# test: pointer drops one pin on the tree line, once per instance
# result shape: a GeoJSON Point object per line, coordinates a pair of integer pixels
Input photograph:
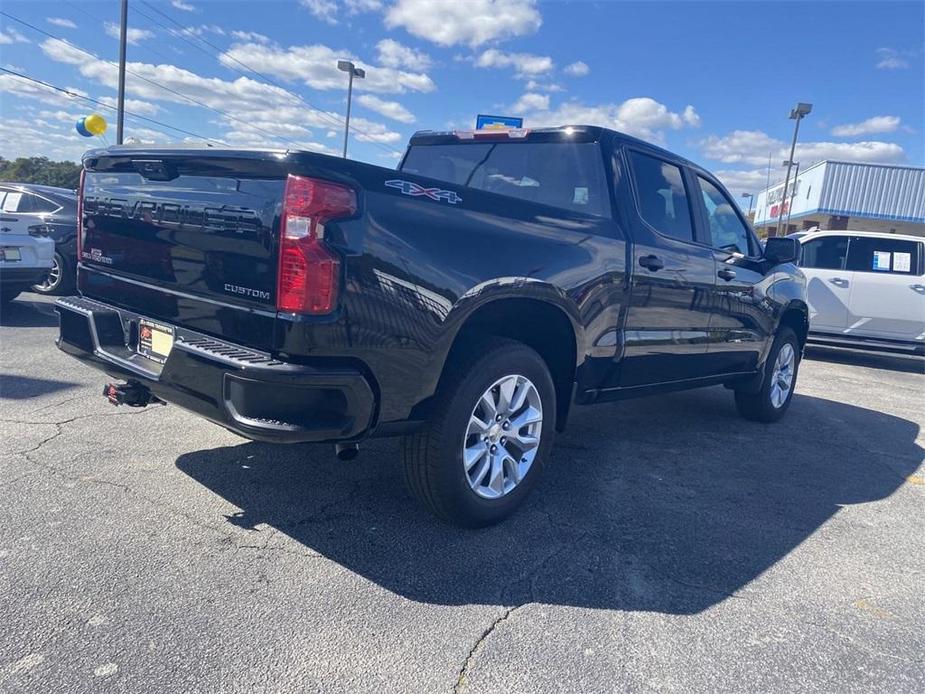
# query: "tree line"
{"type": "Point", "coordinates": [41, 171]}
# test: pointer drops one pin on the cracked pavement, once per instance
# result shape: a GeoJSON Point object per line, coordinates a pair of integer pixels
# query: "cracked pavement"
{"type": "Point", "coordinates": [671, 546]}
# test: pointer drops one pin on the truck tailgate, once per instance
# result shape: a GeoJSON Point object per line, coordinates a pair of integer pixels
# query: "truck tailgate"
{"type": "Point", "coordinates": [190, 238]}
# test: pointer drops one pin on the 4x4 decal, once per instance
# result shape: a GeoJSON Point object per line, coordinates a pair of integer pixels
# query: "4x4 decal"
{"type": "Point", "coordinates": [415, 190]}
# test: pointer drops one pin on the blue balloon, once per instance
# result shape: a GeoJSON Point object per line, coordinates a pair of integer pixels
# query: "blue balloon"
{"type": "Point", "coordinates": [82, 129]}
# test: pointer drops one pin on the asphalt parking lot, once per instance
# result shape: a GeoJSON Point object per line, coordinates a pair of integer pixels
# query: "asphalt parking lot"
{"type": "Point", "coordinates": [672, 546]}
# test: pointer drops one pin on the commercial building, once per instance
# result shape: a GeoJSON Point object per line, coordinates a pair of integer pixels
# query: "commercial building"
{"type": "Point", "coordinates": [846, 195]}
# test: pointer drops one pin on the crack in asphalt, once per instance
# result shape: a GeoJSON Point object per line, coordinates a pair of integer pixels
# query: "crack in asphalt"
{"type": "Point", "coordinates": [461, 679]}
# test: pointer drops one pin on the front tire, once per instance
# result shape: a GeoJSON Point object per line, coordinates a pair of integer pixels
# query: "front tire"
{"type": "Point", "coordinates": [771, 402]}
{"type": "Point", "coordinates": [491, 430]}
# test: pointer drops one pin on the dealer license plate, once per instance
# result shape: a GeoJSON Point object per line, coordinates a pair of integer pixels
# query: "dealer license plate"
{"type": "Point", "coordinates": [155, 340]}
{"type": "Point", "coordinates": [10, 253]}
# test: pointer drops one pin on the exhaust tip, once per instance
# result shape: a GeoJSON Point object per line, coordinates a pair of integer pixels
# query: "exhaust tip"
{"type": "Point", "coordinates": [346, 451]}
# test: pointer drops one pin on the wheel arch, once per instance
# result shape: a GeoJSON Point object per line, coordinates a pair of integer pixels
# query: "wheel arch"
{"type": "Point", "coordinates": [796, 316]}
{"type": "Point", "coordinates": [543, 321]}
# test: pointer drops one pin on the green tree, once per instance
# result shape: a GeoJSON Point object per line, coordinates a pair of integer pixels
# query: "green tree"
{"type": "Point", "coordinates": [40, 170]}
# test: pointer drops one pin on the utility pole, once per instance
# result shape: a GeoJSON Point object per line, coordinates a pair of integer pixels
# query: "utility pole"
{"type": "Point", "coordinates": [120, 115]}
{"type": "Point", "coordinates": [797, 114]}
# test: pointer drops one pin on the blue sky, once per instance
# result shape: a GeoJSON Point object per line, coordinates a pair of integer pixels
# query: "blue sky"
{"type": "Point", "coordinates": [713, 81]}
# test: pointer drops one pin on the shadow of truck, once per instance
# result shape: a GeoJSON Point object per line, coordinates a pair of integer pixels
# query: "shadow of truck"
{"type": "Point", "coordinates": [667, 504]}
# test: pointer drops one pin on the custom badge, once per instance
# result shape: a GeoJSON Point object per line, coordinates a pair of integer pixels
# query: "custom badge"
{"type": "Point", "coordinates": [415, 190]}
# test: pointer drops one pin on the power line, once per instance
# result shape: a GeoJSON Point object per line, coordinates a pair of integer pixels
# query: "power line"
{"type": "Point", "coordinates": [154, 82]}
{"type": "Point", "coordinates": [220, 51]}
{"type": "Point", "coordinates": [89, 14]}
{"type": "Point", "coordinates": [102, 104]}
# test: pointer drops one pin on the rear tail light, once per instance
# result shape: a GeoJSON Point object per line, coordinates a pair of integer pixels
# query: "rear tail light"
{"type": "Point", "coordinates": [309, 271]}
{"type": "Point", "coordinates": [80, 215]}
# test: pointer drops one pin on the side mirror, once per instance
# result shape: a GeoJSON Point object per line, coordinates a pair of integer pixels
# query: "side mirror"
{"type": "Point", "coordinates": [779, 250]}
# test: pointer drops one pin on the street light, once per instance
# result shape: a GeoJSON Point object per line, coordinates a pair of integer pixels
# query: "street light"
{"type": "Point", "coordinates": [353, 71]}
{"type": "Point", "coordinates": [797, 113]}
{"type": "Point", "coordinates": [751, 200]}
{"type": "Point", "coordinates": [796, 177]}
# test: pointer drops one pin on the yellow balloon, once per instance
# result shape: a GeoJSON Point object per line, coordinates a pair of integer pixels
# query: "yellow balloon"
{"type": "Point", "coordinates": [95, 124]}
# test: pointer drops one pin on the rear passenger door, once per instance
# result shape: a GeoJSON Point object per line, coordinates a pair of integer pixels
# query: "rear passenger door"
{"type": "Point", "coordinates": [887, 297]}
{"type": "Point", "coordinates": [828, 283]}
{"type": "Point", "coordinates": [672, 285]}
{"type": "Point", "coordinates": [742, 323]}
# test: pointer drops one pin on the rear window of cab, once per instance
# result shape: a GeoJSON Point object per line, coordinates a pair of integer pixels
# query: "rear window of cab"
{"type": "Point", "coordinates": [567, 175]}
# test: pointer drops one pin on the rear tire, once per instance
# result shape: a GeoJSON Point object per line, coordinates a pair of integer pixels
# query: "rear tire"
{"type": "Point", "coordinates": [59, 281]}
{"type": "Point", "coordinates": [780, 379]}
{"type": "Point", "coordinates": [505, 454]}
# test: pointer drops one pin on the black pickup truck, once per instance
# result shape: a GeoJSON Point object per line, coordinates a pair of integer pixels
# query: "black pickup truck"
{"type": "Point", "coordinates": [464, 301]}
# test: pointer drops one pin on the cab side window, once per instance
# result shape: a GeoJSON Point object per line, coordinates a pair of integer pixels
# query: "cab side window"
{"type": "Point", "coordinates": [826, 253]}
{"type": "Point", "coordinates": [727, 230]}
{"type": "Point", "coordinates": [892, 256]}
{"type": "Point", "coordinates": [663, 201]}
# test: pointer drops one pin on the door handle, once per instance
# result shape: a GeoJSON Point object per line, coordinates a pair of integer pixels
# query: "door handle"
{"type": "Point", "coordinates": [727, 274]}
{"type": "Point", "coordinates": [838, 280]}
{"type": "Point", "coordinates": [918, 287]}
{"type": "Point", "coordinates": [651, 262]}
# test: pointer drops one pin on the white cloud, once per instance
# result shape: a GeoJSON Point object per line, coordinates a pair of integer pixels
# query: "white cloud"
{"type": "Point", "coordinates": [750, 181]}
{"type": "Point", "coordinates": [142, 108]}
{"type": "Point", "coordinates": [389, 109]}
{"type": "Point", "coordinates": [877, 124]}
{"type": "Point", "coordinates": [742, 147]}
{"type": "Point", "coordinates": [357, 6]}
{"type": "Point", "coordinates": [325, 10]}
{"type": "Point", "coordinates": [470, 22]}
{"type": "Point", "coordinates": [132, 34]}
{"type": "Point", "coordinates": [199, 31]}
{"type": "Point", "coordinates": [753, 147]}
{"type": "Point", "coordinates": [185, 6]}
{"type": "Point", "coordinates": [531, 102]}
{"type": "Point", "coordinates": [316, 66]}
{"type": "Point", "coordinates": [241, 93]}
{"type": "Point", "coordinates": [391, 53]}
{"type": "Point", "coordinates": [551, 87]}
{"type": "Point", "coordinates": [250, 36]}
{"type": "Point", "coordinates": [524, 64]}
{"type": "Point", "coordinates": [369, 131]}
{"type": "Point", "coordinates": [61, 22]}
{"type": "Point", "coordinates": [643, 117]}
{"type": "Point", "coordinates": [10, 84]}
{"type": "Point", "coordinates": [577, 69]}
{"type": "Point", "coordinates": [21, 138]}
{"type": "Point", "coordinates": [891, 59]}
{"type": "Point", "coordinates": [265, 106]}
{"type": "Point", "coordinates": [10, 35]}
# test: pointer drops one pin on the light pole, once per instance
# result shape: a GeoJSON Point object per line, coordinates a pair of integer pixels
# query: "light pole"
{"type": "Point", "coordinates": [796, 177]}
{"type": "Point", "coordinates": [353, 71]}
{"type": "Point", "coordinates": [797, 114]}
{"type": "Point", "coordinates": [751, 201]}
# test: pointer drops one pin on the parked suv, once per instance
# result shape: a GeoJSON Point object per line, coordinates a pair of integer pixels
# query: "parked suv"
{"type": "Point", "coordinates": [866, 290]}
{"type": "Point", "coordinates": [465, 301]}
{"type": "Point", "coordinates": [26, 252]}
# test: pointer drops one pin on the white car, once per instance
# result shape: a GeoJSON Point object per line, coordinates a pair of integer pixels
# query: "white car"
{"type": "Point", "coordinates": [26, 251]}
{"type": "Point", "coordinates": [865, 289]}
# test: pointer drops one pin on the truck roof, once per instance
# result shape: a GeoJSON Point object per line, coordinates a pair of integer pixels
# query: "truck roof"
{"type": "Point", "coordinates": [559, 133]}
